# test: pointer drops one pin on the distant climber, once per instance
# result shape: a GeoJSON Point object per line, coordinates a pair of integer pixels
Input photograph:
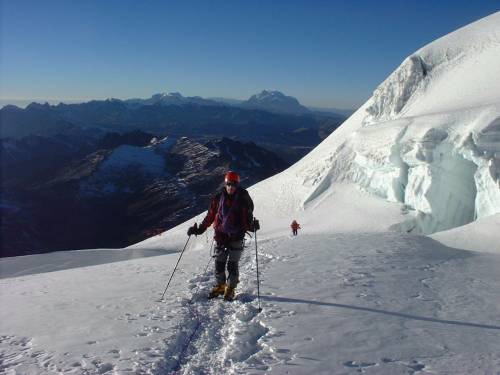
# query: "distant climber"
{"type": "Point", "coordinates": [231, 211]}
{"type": "Point", "coordinates": [295, 227]}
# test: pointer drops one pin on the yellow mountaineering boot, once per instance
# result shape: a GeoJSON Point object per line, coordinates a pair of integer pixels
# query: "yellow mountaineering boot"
{"type": "Point", "coordinates": [217, 290]}
{"type": "Point", "coordinates": [229, 293]}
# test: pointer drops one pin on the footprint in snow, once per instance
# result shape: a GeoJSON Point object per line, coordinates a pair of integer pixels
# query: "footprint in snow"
{"type": "Point", "coordinates": [359, 365]}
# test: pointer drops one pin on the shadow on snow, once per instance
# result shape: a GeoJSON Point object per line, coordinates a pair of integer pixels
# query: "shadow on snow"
{"type": "Point", "coordinates": [377, 311]}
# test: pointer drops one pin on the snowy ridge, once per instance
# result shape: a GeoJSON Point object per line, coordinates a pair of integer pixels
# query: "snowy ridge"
{"type": "Point", "coordinates": [428, 138]}
{"type": "Point", "coordinates": [467, 51]}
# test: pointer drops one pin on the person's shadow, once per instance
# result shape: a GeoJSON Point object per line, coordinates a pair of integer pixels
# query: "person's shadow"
{"type": "Point", "coordinates": [377, 311]}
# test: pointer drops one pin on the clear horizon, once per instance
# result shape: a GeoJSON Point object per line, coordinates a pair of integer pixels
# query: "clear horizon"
{"type": "Point", "coordinates": [22, 103]}
{"type": "Point", "coordinates": [330, 54]}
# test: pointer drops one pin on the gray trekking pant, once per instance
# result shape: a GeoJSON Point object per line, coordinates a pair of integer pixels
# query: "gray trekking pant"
{"type": "Point", "coordinates": [229, 254]}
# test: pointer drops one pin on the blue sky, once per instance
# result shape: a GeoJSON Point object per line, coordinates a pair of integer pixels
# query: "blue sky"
{"type": "Point", "coordinates": [325, 53]}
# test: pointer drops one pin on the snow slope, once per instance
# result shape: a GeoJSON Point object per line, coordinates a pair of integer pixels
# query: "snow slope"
{"type": "Point", "coordinates": [429, 137]}
{"type": "Point", "coordinates": [354, 297]}
{"type": "Point", "coordinates": [361, 289]}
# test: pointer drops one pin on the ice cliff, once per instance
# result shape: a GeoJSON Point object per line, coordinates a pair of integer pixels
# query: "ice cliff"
{"type": "Point", "coordinates": [431, 134]}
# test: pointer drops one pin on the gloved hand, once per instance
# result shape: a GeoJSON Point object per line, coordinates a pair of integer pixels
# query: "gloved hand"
{"type": "Point", "coordinates": [255, 225]}
{"type": "Point", "coordinates": [195, 229]}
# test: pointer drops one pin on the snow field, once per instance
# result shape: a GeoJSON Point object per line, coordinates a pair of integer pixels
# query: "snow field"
{"type": "Point", "coordinates": [85, 324]}
{"type": "Point", "coordinates": [382, 303]}
{"type": "Point", "coordinates": [87, 320]}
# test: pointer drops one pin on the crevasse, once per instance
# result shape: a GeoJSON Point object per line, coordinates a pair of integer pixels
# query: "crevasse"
{"type": "Point", "coordinates": [445, 176]}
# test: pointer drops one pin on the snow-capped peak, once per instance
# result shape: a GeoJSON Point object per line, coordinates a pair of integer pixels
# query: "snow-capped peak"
{"type": "Point", "coordinates": [270, 94]}
{"type": "Point", "coordinates": [273, 95]}
{"type": "Point", "coordinates": [275, 101]}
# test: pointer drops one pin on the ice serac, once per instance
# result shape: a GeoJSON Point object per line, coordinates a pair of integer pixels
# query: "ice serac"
{"type": "Point", "coordinates": [429, 137]}
{"type": "Point", "coordinates": [441, 154]}
{"type": "Point", "coordinates": [391, 97]}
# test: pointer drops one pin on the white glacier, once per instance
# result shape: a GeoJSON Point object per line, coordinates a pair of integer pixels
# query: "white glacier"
{"type": "Point", "coordinates": [429, 136]}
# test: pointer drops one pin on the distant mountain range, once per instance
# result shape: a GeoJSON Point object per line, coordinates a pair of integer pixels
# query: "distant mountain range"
{"type": "Point", "coordinates": [105, 173]}
{"type": "Point", "coordinates": [175, 115]}
{"type": "Point", "coordinates": [173, 98]}
{"type": "Point", "coordinates": [268, 100]}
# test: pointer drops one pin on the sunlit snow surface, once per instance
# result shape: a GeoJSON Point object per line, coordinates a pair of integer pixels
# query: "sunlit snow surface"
{"type": "Point", "coordinates": [359, 290]}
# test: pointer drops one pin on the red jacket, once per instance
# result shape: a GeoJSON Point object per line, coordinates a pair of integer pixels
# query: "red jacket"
{"type": "Point", "coordinates": [232, 221]}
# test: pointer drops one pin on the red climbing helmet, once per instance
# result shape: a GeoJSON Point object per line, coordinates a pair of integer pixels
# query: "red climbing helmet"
{"type": "Point", "coordinates": [232, 177]}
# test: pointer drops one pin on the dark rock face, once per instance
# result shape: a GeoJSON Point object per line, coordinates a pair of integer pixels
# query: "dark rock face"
{"type": "Point", "coordinates": [116, 196]}
{"type": "Point", "coordinates": [34, 159]}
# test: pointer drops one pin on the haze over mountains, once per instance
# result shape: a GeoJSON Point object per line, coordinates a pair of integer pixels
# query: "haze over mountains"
{"type": "Point", "coordinates": [96, 174]}
{"type": "Point", "coordinates": [268, 115]}
{"type": "Point", "coordinates": [271, 100]}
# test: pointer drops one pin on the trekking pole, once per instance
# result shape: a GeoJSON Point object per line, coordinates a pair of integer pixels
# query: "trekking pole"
{"type": "Point", "coordinates": [257, 263]}
{"type": "Point", "coordinates": [175, 268]}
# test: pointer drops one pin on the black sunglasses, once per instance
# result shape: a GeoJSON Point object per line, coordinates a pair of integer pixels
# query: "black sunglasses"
{"type": "Point", "coordinates": [229, 183]}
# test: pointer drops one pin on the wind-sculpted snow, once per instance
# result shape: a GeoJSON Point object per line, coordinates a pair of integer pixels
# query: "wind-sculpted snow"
{"type": "Point", "coordinates": [390, 98]}
{"type": "Point", "coordinates": [458, 70]}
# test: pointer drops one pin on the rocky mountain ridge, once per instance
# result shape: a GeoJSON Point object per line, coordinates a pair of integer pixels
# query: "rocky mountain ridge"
{"type": "Point", "coordinates": [117, 195]}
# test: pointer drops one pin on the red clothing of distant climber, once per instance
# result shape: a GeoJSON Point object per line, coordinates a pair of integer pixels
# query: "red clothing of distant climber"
{"type": "Point", "coordinates": [295, 226]}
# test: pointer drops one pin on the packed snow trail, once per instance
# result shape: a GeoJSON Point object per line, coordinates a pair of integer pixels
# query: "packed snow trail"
{"type": "Point", "coordinates": [216, 336]}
